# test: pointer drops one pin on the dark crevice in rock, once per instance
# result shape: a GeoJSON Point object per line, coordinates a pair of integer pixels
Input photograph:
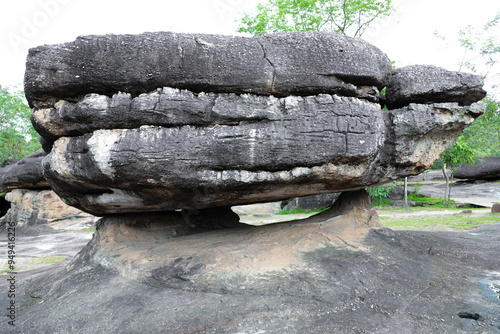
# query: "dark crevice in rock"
{"type": "Point", "coordinates": [273, 80]}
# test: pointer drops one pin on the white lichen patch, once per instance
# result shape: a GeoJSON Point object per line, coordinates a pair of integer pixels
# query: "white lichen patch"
{"type": "Point", "coordinates": [101, 145]}
{"type": "Point", "coordinates": [119, 197]}
{"type": "Point", "coordinates": [57, 159]}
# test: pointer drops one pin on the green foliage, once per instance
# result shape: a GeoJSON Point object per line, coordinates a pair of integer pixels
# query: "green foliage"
{"type": "Point", "coordinates": [460, 153]}
{"type": "Point", "coordinates": [379, 195]}
{"type": "Point", "coordinates": [17, 136]}
{"type": "Point", "coordinates": [432, 202]}
{"type": "Point", "coordinates": [483, 136]}
{"type": "Point", "coordinates": [299, 210]}
{"type": "Point", "coordinates": [482, 48]}
{"type": "Point", "coordinates": [348, 17]}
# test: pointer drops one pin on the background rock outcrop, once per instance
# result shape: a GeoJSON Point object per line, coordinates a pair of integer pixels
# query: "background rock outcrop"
{"type": "Point", "coordinates": [24, 173]}
{"type": "Point", "coordinates": [487, 168]}
{"type": "Point", "coordinates": [41, 211]}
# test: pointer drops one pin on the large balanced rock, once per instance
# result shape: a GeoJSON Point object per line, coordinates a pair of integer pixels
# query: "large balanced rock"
{"type": "Point", "coordinates": [26, 173]}
{"type": "Point", "coordinates": [430, 84]}
{"type": "Point", "coordinates": [487, 169]}
{"type": "Point", "coordinates": [279, 64]}
{"type": "Point", "coordinates": [295, 147]}
{"type": "Point", "coordinates": [114, 151]}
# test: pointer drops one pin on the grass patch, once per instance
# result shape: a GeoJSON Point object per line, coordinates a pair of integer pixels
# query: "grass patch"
{"type": "Point", "coordinates": [381, 202]}
{"type": "Point", "coordinates": [23, 264]}
{"type": "Point", "coordinates": [299, 210]}
{"type": "Point", "coordinates": [87, 230]}
{"type": "Point", "coordinates": [460, 221]}
{"type": "Point", "coordinates": [436, 202]}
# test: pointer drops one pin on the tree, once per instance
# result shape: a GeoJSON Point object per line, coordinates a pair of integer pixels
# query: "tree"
{"type": "Point", "coordinates": [348, 17]}
{"type": "Point", "coordinates": [483, 136]}
{"type": "Point", "coordinates": [460, 153]}
{"type": "Point", "coordinates": [17, 136]}
{"type": "Point", "coordinates": [481, 50]}
{"type": "Point", "coordinates": [481, 56]}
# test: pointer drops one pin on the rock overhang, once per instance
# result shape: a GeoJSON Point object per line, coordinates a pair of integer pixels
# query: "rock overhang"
{"type": "Point", "coordinates": [303, 117]}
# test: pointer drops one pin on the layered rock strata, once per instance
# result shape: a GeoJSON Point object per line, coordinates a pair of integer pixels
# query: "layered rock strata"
{"type": "Point", "coordinates": [280, 64]}
{"type": "Point", "coordinates": [244, 120]}
{"type": "Point", "coordinates": [41, 211]}
{"type": "Point", "coordinates": [26, 173]}
{"type": "Point", "coordinates": [431, 84]}
{"type": "Point", "coordinates": [31, 204]}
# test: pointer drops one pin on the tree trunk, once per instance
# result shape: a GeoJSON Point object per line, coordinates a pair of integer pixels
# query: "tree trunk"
{"type": "Point", "coordinates": [406, 194]}
{"type": "Point", "coordinates": [447, 189]}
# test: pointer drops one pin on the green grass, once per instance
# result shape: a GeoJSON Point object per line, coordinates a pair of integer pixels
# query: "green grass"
{"type": "Point", "coordinates": [87, 230]}
{"type": "Point", "coordinates": [457, 221]}
{"type": "Point", "coordinates": [299, 210]}
{"type": "Point", "coordinates": [23, 264]}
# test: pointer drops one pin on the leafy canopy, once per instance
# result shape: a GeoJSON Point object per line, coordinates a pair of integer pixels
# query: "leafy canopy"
{"type": "Point", "coordinates": [17, 136]}
{"type": "Point", "coordinates": [348, 17]}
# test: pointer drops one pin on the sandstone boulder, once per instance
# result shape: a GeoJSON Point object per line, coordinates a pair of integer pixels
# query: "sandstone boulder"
{"type": "Point", "coordinates": [200, 121]}
{"type": "Point", "coordinates": [431, 84]}
{"type": "Point", "coordinates": [486, 169]}
{"type": "Point", "coordinates": [312, 202]}
{"type": "Point", "coordinates": [287, 147]}
{"type": "Point", "coordinates": [281, 64]}
{"type": "Point", "coordinates": [42, 211]}
{"type": "Point", "coordinates": [26, 173]}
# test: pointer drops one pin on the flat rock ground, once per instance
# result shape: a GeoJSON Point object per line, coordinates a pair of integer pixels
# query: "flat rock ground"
{"type": "Point", "coordinates": [388, 282]}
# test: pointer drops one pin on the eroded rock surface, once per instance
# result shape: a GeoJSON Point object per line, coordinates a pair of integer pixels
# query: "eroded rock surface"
{"type": "Point", "coordinates": [331, 274]}
{"type": "Point", "coordinates": [42, 211]}
{"type": "Point", "coordinates": [488, 168]}
{"type": "Point", "coordinates": [280, 64]}
{"type": "Point", "coordinates": [26, 173]}
{"type": "Point", "coordinates": [431, 84]}
{"type": "Point", "coordinates": [297, 146]}
{"type": "Point", "coordinates": [209, 140]}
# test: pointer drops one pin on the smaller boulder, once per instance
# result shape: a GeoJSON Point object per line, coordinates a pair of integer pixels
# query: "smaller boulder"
{"type": "Point", "coordinates": [487, 169]}
{"type": "Point", "coordinates": [312, 202]}
{"type": "Point", "coordinates": [26, 173]}
{"type": "Point", "coordinates": [430, 84]}
{"type": "Point", "coordinates": [495, 208]}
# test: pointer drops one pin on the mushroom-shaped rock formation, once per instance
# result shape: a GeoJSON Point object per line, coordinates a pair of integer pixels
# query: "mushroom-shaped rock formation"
{"type": "Point", "coordinates": [165, 121]}
{"type": "Point", "coordinates": [162, 133]}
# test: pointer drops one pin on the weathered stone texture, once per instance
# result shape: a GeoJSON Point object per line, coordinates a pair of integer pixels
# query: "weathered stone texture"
{"type": "Point", "coordinates": [280, 64]}
{"type": "Point", "coordinates": [488, 168]}
{"type": "Point", "coordinates": [26, 173]}
{"type": "Point", "coordinates": [431, 84]}
{"type": "Point", "coordinates": [314, 145]}
{"type": "Point", "coordinates": [35, 211]}
{"type": "Point", "coordinates": [165, 121]}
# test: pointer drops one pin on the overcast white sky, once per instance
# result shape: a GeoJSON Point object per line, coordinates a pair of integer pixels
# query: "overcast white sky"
{"type": "Point", "coordinates": [406, 37]}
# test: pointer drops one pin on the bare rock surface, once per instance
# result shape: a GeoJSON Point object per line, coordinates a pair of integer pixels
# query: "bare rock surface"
{"type": "Point", "coordinates": [299, 146]}
{"type": "Point", "coordinates": [332, 273]}
{"type": "Point", "coordinates": [42, 211]}
{"type": "Point", "coordinates": [280, 64]}
{"type": "Point", "coordinates": [431, 84]}
{"type": "Point", "coordinates": [26, 173]}
{"type": "Point", "coordinates": [488, 168]}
